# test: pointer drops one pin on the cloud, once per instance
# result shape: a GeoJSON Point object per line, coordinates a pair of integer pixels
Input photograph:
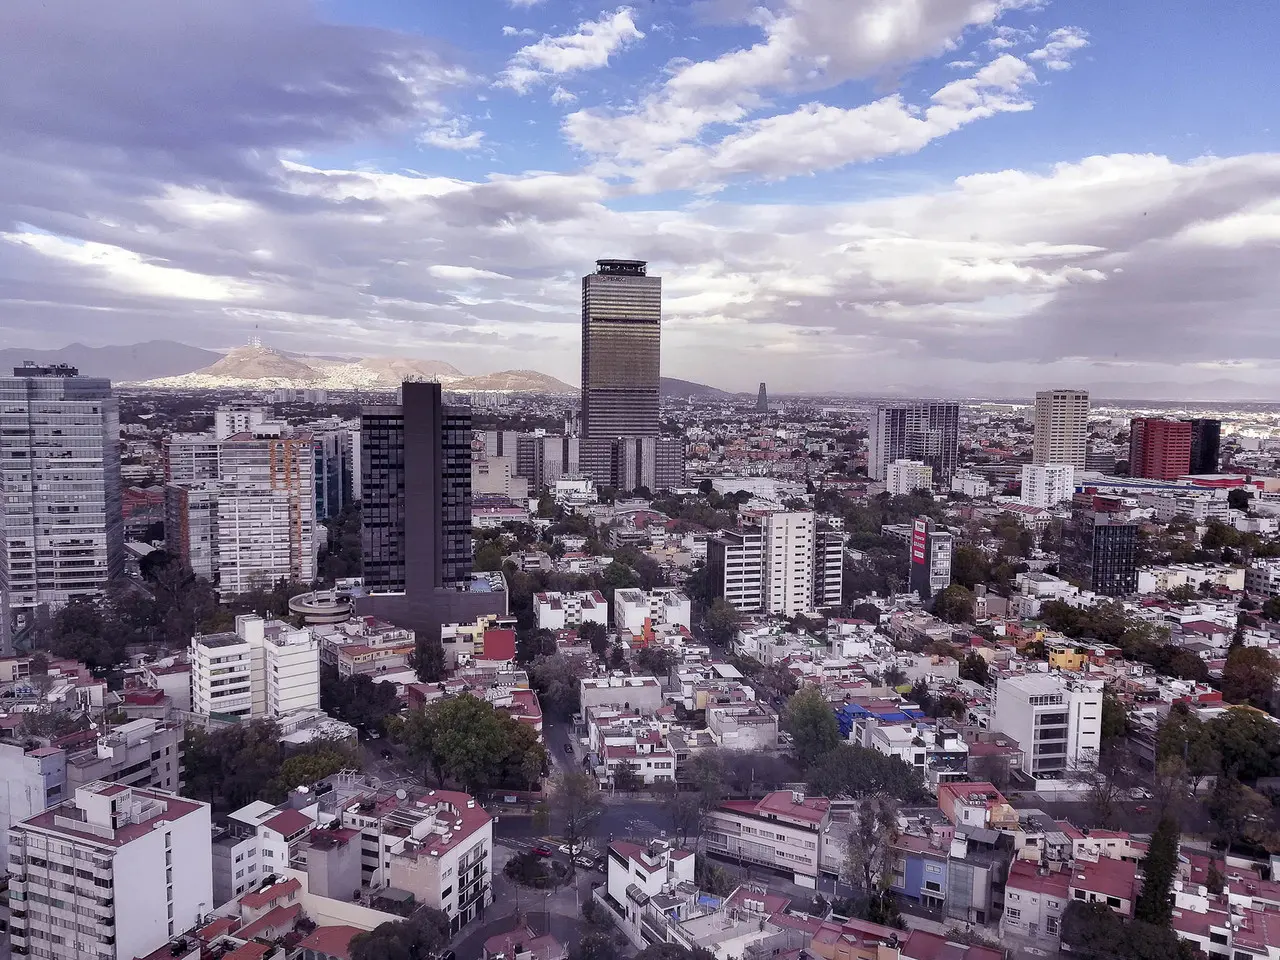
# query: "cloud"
{"type": "Point", "coordinates": [560, 96]}
{"type": "Point", "coordinates": [451, 133]}
{"type": "Point", "coordinates": [525, 3]}
{"type": "Point", "coordinates": [509, 31]}
{"type": "Point", "coordinates": [587, 48]}
{"type": "Point", "coordinates": [1062, 43]}
{"type": "Point", "coordinates": [807, 46]}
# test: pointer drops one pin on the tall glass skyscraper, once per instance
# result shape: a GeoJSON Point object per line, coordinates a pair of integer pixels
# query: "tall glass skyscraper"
{"type": "Point", "coordinates": [621, 350]}
{"type": "Point", "coordinates": [61, 532]}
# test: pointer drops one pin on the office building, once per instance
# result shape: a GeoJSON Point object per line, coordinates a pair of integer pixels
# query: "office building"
{"type": "Point", "coordinates": [1206, 446]}
{"type": "Point", "coordinates": [1159, 449]}
{"type": "Point", "coordinates": [191, 525]}
{"type": "Point", "coordinates": [1061, 427]}
{"type": "Point", "coordinates": [114, 873]}
{"type": "Point", "coordinates": [931, 551]}
{"type": "Point", "coordinates": [1099, 547]}
{"type": "Point", "coordinates": [417, 549]}
{"type": "Point", "coordinates": [61, 529]}
{"type": "Point", "coordinates": [735, 564]}
{"type": "Point", "coordinates": [1046, 485]}
{"type": "Point", "coordinates": [496, 476]}
{"type": "Point", "coordinates": [335, 449]}
{"type": "Point", "coordinates": [655, 463]}
{"type": "Point", "coordinates": [190, 457]}
{"type": "Point", "coordinates": [762, 399]}
{"type": "Point", "coordinates": [908, 476]}
{"type": "Point", "coordinates": [266, 510]}
{"type": "Point", "coordinates": [924, 430]}
{"type": "Point", "coordinates": [265, 668]}
{"type": "Point", "coordinates": [1056, 718]}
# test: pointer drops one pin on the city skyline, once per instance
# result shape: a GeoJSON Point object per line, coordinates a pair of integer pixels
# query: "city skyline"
{"type": "Point", "coordinates": [987, 191]}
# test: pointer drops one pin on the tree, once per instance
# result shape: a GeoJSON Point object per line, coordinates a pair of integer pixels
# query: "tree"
{"type": "Point", "coordinates": [1159, 870]}
{"type": "Point", "coordinates": [1247, 743]}
{"type": "Point", "coordinates": [556, 678]}
{"type": "Point", "coordinates": [722, 622]}
{"type": "Point", "coordinates": [1238, 499]}
{"type": "Point", "coordinates": [597, 635]}
{"type": "Point", "coordinates": [1249, 676]}
{"type": "Point", "coordinates": [970, 566]}
{"type": "Point", "coordinates": [1115, 719]}
{"type": "Point", "coordinates": [993, 768]}
{"type": "Point", "coordinates": [812, 725]}
{"type": "Point", "coordinates": [1094, 931]}
{"type": "Point", "coordinates": [428, 658]}
{"type": "Point", "coordinates": [626, 777]}
{"type": "Point", "coordinates": [656, 661]}
{"type": "Point", "coordinates": [420, 937]}
{"type": "Point", "coordinates": [974, 667]}
{"type": "Point", "coordinates": [595, 945]}
{"type": "Point", "coordinates": [575, 798]}
{"type": "Point", "coordinates": [868, 612]}
{"type": "Point", "coordinates": [869, 848]}
{"type": "Point", "coordinates": [1107, 780]}
{"type": "Point", "coordinates": [955, 604]}
{"type": "Point", "coordinates": [1239, 811]}
{"type": "Point", "coordinates": [360, 700]}
{"type": "Point", "coordinates": [851, 770]}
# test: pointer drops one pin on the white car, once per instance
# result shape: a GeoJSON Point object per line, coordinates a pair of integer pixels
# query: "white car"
{"type": "Point", "coordinates": [571, 850]}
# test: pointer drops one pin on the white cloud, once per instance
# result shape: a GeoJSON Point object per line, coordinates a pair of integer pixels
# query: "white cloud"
{"type": "Point", "coordinates": [1062, 43]}
{"type": "Point", "coordinates": [561, 96]}
{"type": "Point", "coordinates": [963, 64]}
{"type": "Point", "coordinates": [524, 3]}
{"type": "Point", "coordinates": [510, 31]}
{"type": "Point", "coordinates": [1006, 38]}
{"type": "Point", "coordinates": [451, 133]}
{"type": "Point", "coordinates": [589, 47]}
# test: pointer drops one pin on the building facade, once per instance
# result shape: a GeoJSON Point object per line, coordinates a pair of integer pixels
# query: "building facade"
{"type": "Point", "coordinates": [931, 551]}
{"type": "Point", "coordinates": [924, 430]}
{"type": "Point", "coordinates": [191, 525]}
{"type": "Point", "coordinates": [1061, 427]}
{"type": "Point", "coordinates": [1159, 449]}
{"type": "Point", "coordinates": [907, 476]}
{"type": "Point", "coordinates": [789, 541]}
{"type": "Point", "coordinates": [621, 350]}
{"type": "Point", "coordinates": [1046, 485]}
{"type": "Point", "coordinates": [1206, 445]}
{"type": "Point", "coordinates": [1099, 547]}
{"type": "Point", "coordinates": [1055, 717]}
{"type": "Point", "coordinates": [114, 873]}
{"type": "Point", "coordinates": [61, 529]}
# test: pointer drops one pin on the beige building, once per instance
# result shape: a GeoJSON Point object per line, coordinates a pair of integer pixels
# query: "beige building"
{"type": "Point", "coordinates": [1062, 427]}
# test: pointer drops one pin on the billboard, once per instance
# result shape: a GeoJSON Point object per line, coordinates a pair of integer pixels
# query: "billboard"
{"type": "Point", "coordinates": [920, 540]}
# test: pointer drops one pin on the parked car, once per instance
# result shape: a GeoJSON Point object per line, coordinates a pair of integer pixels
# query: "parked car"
{"type": "Point", "coordinates": [572, 851]}
{"type": "Point", "coordinates": [585, 862]}
{"type": "Point", "coordinates": [568, 748]}
{"type": "Point", "coordinates": [542, 849]}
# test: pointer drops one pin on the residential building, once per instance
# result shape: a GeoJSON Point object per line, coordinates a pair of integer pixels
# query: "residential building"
{"type": "Point", "coordinates": [654, 463]}
{"type": "Point", "coordinates": [497, 476]}
{"type": "Point", "coordinates": [444, 856]}
{"type": "Point", "coordinates": [621, 360]}
{"type": "Point", "coordinates": [417, 549]}
{"type": "Point", "coordinates": [977, 806]}
{"type": "Point", "coordinates": [907, 476]}
{"type": "Point", "coordinates": [1046, 485]}
{"type": "Point", "coordinates": [464, 642]}
{"type": "Point", "coordinates": [743, 726]}
{"type": "Point", "coordinates": [34, 778]}
{"type": "Point", "coordinates": [1206, 446]}
{"type": "Point", "coordinates": [1159, 449]}
{"type": "Point", "coordinates": [1034, 900]}
{"type": "Point", "coordinates": [232, 418]}
{"type": "Point", "coordinates": [141, 753]}
{"type": "Point", "coordinates": [1061, 427]}
{"type": "Point", "coordinates": [633, 607]}
{"type": "Point", "coordinates": [523, 944]}
{"type": "Point", "coordinates": [191, 525]}
{"type": "Point", "coordinates": [931, 551]}
{"type": "Point", "coordinates": [190, 458]}
{"type": "Point", "coordinates": [1262, 579]}
{"type": "Point", "coordinates": [61, 529]}
{"type": "Point", "coordinates": [971, 485]}
{"type": "Point", "coordinates": [1055, 717]}
{"type": "Point", "coordinates": [266, 668]}
{"type": "Point", "coordinates": [365, 645]}
{"type": "Point", "coordinates": [137, 863]}
{"type": "Point", "coordinates": [638, 873]}
{"type": "Point", "coordinates": [634, 693]}
{"type": "Point", "coordinates": [789, 540]}
{"type": "Point", "coordinates": [936, 751]}
{"type": "Point", "coordinates": [558, 611]}
{"type": "Point", "coordinates": [785, 831]}
{"type": "Point", "coordinates": [266, 510]}
{"type": "Point", "coordinates": [1099, 547]}
{"type": "Point", "coordinates": [735, 564]}
{"type": "Point", "coordinates": [828, 568]}
{"type": "Point", "coordinates": [926, 430]}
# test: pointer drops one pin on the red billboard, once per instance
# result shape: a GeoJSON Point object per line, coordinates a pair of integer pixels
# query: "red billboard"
{"type": "Point", "coordinates": [919, 540]}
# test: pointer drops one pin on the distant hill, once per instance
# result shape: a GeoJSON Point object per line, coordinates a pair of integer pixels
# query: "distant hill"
{"type": "Point", "coordinates": [136, 361]}
{"type": "Point", "coordinates": [671, 387]}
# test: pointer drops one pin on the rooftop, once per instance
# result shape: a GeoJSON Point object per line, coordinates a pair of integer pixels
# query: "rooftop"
{"type": "Point", "coordinates": [332, 941]}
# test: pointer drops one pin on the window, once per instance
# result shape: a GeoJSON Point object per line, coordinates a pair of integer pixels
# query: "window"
{"type": "Point", "coordinates": [1079, 894]}
{"type": "Point", "coordinates": [1013, 896]}
{"type": "Point", "coordinates": [1113, 902]}
{"type": "Point", "coordinates": [1051, 925]}
{"type": "Point", "coordinates": [1013, 913]}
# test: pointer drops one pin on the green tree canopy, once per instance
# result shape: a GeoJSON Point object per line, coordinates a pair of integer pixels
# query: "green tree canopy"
{"type": "Point", "coordinates": [955, 604]}
{"type": "Point", "coordinates": [851, 770]}
{"type": "Point", "coordinates": [1159, 870]}
{"type": "Point", "coordinates": [1249, 676]}
{"type": "Point", "coordinates": [812, 724]}
{"type": "Point", "coordinates": [468, 741]}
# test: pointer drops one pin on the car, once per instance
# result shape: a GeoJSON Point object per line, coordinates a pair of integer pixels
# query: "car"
{"type": "Point", "coordinates": [568, 748]}
{"type": "Point", "coordinates": [448, 955]}
{"type": "Point", "coordinates": [542, 850]}
{"type": "Point", "coordinates": [572, 851]}
{"type": "Point", "coordinates": [1141, 808]}
{"type": "Point", "coordinates": [585, 862]}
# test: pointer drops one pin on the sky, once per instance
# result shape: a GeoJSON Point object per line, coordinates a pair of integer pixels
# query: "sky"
{"type": "Point", "coordinates": [921, 195]}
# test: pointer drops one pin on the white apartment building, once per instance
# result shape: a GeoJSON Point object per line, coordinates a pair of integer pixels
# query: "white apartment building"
{"type": "Point", "coordinates": [789, 539]}
{"type": "Point", "coordinates": [971, 485]}
{"type": "Point", "coordinates": [1061, 427]}
{"type": "Point", "coordinates": [266, 511]}
{"type": "Point", "coordinates": [1055, 717]}
{"type": "Point", "coordinates": [240, 418]}
{"type": "Point", "coordinates": [639, 873]}
{"type": "Point", "coordinates": [1046, 485]}
{"type": "Point", "coordinates": [1262, 578]}
{"type": "Point", "coordinates": [443, 854]}
{"type": "Point", "coordinates": [784, 831]}
{"type": "Point", "coordinates": [906, 476]}
{"type": "Point", "coordinates": [112, 874]}
{"type": "Point", "coordinates": [559, 611]}
{"type": "Point", "coordinates": [665, 605]}
{"type": "Point", "coordinates": [266, 668]}
{"type": "Point", "coordinates": [1196, 507]}
{"type": "Point", "coordinates": [736, 559]}
{"type": "Point", "coordinates": [497, 475]}
{"type": "Point", "coordinates": [190, 458]}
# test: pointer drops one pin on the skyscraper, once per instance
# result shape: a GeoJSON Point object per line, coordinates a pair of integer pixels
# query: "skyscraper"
{"type": "Point", "coordinates": [762, 399]}
{"type": "Point", "coordinates": [924, 430]}
{"type": "Point", "coordinates": [61, 532]}
{"type": "Point", "coordinates": [1206, 445]}
{"type": "Point", "coordinates": [1061, 427]}
{"type": "Point", "coordinates": [1159, 449]}
{"type": "Point", "coordinates": [621, 374]}
{"type": "Point", "coordinates": [416, 514]}
{"type": "Point", "coordinates": [621, 350]}
{"type": "Point", "coordinates": [1099, 546]}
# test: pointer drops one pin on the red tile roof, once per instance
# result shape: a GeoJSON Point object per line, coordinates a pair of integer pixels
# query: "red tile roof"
{"type": "Point", "coordinates": [258, 899]}
{"type": "Point", "coordinates": [499, 645]}
{"type": "Point", "coordinates": [1107, 877]}
{"type": "Point", "coordinates": [288, 822]}
{"type": "Point", "coordinates": [250, 951]}
{"type": "Point", "coordinates": [280, 919]}
{"type": "Point", "coordinates": [332, 941]}
{"type": "Point", "coordinates": [1024, 876]}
